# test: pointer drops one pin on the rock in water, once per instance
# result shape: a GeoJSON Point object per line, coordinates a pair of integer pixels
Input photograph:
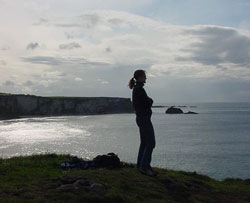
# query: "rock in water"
{"type": "Point", "coordinates": [174, 110]}
{"type": "Point", "coordinates": [191, 112]}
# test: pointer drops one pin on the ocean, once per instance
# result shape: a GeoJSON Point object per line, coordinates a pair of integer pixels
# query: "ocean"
{"type": "Point", "coordinates": [214, 142]}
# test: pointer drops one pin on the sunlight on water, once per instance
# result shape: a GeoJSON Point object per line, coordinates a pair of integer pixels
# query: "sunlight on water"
{"type": "Point", "coordinates": [214, 142]}
{"type": "Point", "coordinates": [28, 131]}
{"type": "Point", "coordinates": [41, 135]}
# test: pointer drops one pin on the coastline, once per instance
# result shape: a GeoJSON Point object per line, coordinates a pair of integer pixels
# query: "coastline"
{"type": "Point", "coordinates": [16, 106]}
{"type": "Point", "coordinates": [44, 116]}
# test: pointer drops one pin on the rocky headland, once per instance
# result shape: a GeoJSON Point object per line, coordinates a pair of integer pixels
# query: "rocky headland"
{"type": "Point", "coordinates": [12, 106]}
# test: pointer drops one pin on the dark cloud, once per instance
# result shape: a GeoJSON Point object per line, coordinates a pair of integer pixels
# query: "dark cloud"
{"type": "Point", "coordinates": [67, 25]}
{"type": "Point", "coordinates": [28, 83]}
{"type": "Point", "coordinates": [71, 45]}
{"type": "Point", "coordinates": [9, 83]}
{"type": "Point", "coordinates": [85, 21]}
{"type": "Point", "coordinates": [115, 21]}
{"type": "Point", "coordinates": [108, 49]}
{"type": "Point", "coordinates": [48, 60]}
{"type": "Point", "coordinates": [89, 20]}
{"type": "Point", "coordinates": [218, 45]}
{"type": "Point", "coordinates": [69, 35]}
{"type": "Point", "coordinates": [10, 86]}
{"type": "Point", "coordinates": [222, 68]}
{"type": "Point", "coordinates": [2, 62]}
{"type": "Point", "coordinates": [5, 48]}
{"type": "Point", "coordinates": [32, 46]}
{"type": "Point", "coordinates": [41, 21]}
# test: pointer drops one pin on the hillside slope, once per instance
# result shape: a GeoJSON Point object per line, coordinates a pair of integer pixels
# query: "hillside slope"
{"type": "Point", "coordinates": [39, 178]}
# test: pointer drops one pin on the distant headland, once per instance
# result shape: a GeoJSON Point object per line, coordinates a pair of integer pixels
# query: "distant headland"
{"type": "Point", "coordinates": [19, 105]}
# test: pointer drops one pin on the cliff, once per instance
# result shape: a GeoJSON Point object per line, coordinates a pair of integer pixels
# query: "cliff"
{"type": "Point", "coordinates": [29, 105]}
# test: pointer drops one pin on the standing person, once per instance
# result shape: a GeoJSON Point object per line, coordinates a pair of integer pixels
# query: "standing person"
{"type": "Point", "coordinates": [142, 105]}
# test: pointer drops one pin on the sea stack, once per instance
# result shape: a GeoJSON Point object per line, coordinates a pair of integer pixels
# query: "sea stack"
{"type": "Point", "coordinates": [174, 110]}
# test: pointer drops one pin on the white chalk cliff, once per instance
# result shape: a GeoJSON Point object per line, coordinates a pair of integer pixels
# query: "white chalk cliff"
{"type": "Point", "coordinates": [27, 105]}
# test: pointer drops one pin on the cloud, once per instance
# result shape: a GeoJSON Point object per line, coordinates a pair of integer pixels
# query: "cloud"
{"type": "Point", "coordinates": [46, 60]}
{"type": "Point", "coordinates": [78, 79]}
{"type": "Point", "coordinates": [9, 83]}
{"type": "Point", "coordinates": [55, 61]}
{"type": "Point", "coordinates": [116, 21]}
{"type": "Point", "coordinates": [108, 49]}
{"type": "Point", "coordinates": [29, 83]}
{"type": "Point", "coordinates": [71, 45]}
{"type": "Point", "coordinates": [218, 45]}
{"type": "Point", "coordinates": [42, 21]}
{"type": "Point", "coordinates": [102, 81]}
{"type": "Point", "coordinates": [69, 25]}
{"type": "Point", "coordinates": [69, 35]}
{"type": "Point", "coordinates": [111, 44]}
{"type": "Point", "coordinates": [10, 86]}
{"type": "Point", "coordinates": [2, 62]}
{"type": "Point", "coordinates": [4, 48]}
{"type": "Point", "coordinates": [32, 46]}
{"type": "Point", "coordinates": [89, 20]}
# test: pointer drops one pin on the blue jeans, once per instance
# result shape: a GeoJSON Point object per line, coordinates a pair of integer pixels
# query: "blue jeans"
{"type": "Point", "coordinates": [147, 137]}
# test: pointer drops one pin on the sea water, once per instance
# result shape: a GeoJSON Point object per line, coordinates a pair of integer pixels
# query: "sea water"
{"type": "Point", "coordinates": [214, 142]}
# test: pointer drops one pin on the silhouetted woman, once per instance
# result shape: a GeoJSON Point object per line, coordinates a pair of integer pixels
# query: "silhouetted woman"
{"type": "Point", "coordinates": [142, 105]}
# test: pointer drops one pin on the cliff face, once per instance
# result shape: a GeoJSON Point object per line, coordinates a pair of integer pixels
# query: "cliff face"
{"type": "Point", "coordinates": [25, 105]}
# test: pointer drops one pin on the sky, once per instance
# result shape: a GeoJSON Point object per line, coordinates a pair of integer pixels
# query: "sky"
{"type": "Point", "coordinates": [192, 50]}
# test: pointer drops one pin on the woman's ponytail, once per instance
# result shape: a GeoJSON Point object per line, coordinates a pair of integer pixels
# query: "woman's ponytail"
{"type": "Point", "coordinates": [131, 83]}
{"type": "Point", "coordinates": [137, 74]}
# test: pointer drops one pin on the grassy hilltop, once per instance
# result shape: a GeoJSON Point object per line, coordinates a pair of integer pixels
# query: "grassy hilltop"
{"type": "Point", "coordinates": [39, 178]}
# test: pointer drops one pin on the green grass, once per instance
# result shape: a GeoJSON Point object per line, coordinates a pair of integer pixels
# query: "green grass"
{"type": "Point", "coordinates": [36, 179]}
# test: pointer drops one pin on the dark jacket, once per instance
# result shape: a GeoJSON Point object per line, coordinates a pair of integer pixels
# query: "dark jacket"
{"type": "Point", "coordinates": [141, 102]}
